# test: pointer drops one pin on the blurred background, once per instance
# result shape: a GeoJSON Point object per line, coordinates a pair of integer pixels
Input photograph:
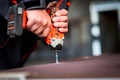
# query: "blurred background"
{"type": "Point", "coordinates": [94, 30]}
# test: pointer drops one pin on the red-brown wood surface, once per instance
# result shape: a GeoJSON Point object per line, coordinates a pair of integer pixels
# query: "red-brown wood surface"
{"type": "Point", "coordinates": [106, 66]}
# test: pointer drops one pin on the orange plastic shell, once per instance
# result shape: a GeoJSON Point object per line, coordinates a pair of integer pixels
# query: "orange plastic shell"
{"type": "Point", "coordinates": [24, 19]}
{"type": "Point", "coordinates": [54, 33]}
{"type": "Point", "coordinates": [14, 1]}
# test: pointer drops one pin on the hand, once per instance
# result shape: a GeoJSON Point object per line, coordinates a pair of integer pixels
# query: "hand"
{"type": "Point", "coordinates": [61, 20]}
{"type": "Point", "coordinates": [39, 22]}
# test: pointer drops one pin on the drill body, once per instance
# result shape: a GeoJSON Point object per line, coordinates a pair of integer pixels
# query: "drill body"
{"type": "Point", "coordinates": [54, 38]}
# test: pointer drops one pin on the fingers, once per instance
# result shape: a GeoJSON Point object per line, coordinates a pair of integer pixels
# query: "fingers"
{"type": "Point", "coordinates": [45, 32]}
{"type": "Point", "coordinates": [61, 15]}
{"type": "Point", "coordinates": [61, 20]}
{"type": "Point", "coordinates": [33, 25]}
{"type": "Point", "coordinates": [37, 25]}
{"type": "Point", "coordinates": [40, 30]}
{"type": "Point", "coordinates": [38, 22]}
{"type": "Point", "coordinates": [61, 24]}
{"type": "Point", "coordinates": [63, 30]}
{"type": "Point", "coordinates": [62, 12]}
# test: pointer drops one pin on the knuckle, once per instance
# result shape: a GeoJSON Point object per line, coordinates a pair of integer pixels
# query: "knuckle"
{"type": "Point", "coordinates": [67, 18]}
{"type": "Point", "coordinates": [28, 24]}
{"type": "Point", "coordinates": [42, 35]}
{"type": "Point", "coordinates": [64, 18]}
{"type": "Point", "coordinates": [66, 30]}
{"type": "Point", "coordinates": [39, 20]}
{"type": "Point", "coordinates": [45, 22]}
{"type": "Point", "coordinates": [49, 24]}
{"type": "Point", "coordinates": [65, 11]}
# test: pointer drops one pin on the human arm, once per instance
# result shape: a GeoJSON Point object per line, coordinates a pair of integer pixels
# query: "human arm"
{"type": "Point", "coordinates": [4, 37]}
{"type": "Point", "coordinates": [39, 21]}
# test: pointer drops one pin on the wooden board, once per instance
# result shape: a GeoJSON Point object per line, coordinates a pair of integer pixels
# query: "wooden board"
{"type": "Point", "coordinates": [106, 66]}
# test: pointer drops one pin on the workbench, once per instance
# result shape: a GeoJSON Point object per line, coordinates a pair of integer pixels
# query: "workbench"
{"type": "Point", "coordinates": [105, 66]}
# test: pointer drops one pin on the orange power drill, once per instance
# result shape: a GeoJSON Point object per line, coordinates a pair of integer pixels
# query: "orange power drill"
{"type": "Point", "coordinates": [55, 38]}
{"type": "Point", "coordinates": [18, 19]}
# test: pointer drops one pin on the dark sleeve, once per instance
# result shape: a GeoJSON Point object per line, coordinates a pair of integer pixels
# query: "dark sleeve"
{"type": "Point", "coordinates": [3, 32]}
{"type": "Point", "coordinates": [34, 4]}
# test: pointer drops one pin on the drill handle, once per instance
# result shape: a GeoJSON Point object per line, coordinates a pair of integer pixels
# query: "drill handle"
{"type": "Point", "coordinates": [54, 36]}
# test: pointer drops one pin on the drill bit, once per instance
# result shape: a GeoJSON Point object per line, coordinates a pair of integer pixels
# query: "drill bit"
{"type": "Point", "coordinates": [56, 57]}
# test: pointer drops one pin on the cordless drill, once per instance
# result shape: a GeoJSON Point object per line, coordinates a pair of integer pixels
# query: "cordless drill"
{"type": "Point", "coordinates": [17, 22]}
{"type": "Point", "coordinates": [55, 38]}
